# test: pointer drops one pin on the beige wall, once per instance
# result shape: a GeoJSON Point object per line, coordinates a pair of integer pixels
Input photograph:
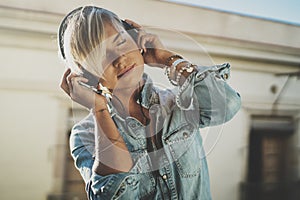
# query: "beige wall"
{"type": "Point", "coordinates": [34, 112]}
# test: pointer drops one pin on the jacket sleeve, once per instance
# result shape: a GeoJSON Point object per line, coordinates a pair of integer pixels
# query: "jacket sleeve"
{"type": "Point", "coordinates": [82, 147]}
{"type": "Point", "coordinates": [207, 91]}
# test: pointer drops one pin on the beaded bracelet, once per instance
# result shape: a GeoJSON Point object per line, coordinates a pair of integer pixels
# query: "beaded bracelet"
{"type": "Point", "coordinates": [173, 66]}
{"type": "Point", "coordinates": [167, 72]}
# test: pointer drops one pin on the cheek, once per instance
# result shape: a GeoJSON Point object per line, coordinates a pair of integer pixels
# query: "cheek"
{"type": "Point", "coordinates": [109, 72]}
{"type": "Point", "coordinates": [141, 59]}
{"type": "Point", "coordinates": [137, 56]}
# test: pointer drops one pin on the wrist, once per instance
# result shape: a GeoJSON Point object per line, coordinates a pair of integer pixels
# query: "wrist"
{"type": "Point", "coordinates": [100, 102]}
{"type": "Point", "coordinates": [99, 110]}
{"type": "Point", "coordinates": [163, 57]}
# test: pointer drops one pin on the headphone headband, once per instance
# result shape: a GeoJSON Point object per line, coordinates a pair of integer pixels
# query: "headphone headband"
{"type": "Point", "coordinates": [61, 31]}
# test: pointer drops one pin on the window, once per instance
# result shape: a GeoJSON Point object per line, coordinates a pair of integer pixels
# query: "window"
{"type": "Point", "coordinates": [270, 159]}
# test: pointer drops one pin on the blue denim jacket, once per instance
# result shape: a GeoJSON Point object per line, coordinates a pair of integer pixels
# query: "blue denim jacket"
{"type": "Point", "coordinates": [177, 170]}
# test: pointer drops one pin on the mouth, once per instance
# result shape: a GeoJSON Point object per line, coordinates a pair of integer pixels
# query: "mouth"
{"type": "Point", "coordinates": [125, 71]}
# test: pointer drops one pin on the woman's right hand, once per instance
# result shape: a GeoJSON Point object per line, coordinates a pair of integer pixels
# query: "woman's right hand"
{"type": "Point", "coordinates": [78, 93]}
{"type": "Point", "coordinates": [155, 54]}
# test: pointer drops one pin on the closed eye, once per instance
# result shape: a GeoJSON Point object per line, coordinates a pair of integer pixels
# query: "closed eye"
{"type": "Point", "coordinates": [121, 42]}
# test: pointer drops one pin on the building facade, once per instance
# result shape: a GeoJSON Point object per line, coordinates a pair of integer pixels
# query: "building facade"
{"type": "Point", "coordinates": [256, 153]}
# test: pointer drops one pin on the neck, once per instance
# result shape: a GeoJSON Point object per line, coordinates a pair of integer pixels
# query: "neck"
{"type": "Point", "coordinates": [126, 97]}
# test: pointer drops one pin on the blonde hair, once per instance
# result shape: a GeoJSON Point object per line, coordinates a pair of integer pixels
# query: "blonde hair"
{"type": "Point", "coordinates": [83, 38]}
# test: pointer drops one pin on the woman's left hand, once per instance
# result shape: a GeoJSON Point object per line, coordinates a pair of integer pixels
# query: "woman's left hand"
{"type": "Point", "coordinates": [155, 54]}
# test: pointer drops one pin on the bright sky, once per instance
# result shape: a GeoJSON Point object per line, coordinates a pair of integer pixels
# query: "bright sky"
{"type": "Point", "coordinates": [279, 10]}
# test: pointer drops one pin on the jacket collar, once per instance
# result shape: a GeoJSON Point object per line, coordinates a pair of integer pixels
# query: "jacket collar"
{"type": "Point", "coordinates": [148, 92]}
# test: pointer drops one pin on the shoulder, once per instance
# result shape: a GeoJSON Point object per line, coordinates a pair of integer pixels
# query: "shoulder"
{"type": "Point", "coordinates": [86, 125]}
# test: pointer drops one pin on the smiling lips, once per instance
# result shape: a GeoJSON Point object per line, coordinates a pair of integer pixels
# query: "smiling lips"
{"type": "Point", "coordinates": [126, 70]}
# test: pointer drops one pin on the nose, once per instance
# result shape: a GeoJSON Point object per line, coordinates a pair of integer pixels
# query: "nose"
{"type": "Point", "coordinates": [120, 62]}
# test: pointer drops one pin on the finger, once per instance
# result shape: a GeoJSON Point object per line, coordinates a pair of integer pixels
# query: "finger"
{"type": "Point", "coordinates": [65, 88]}
{"type": "Point", "coordinates": [76, 83]}
{"type": "Point", "coordinates": [65, 75]}
{"type": "Point", "coordinates": [140, 29]}
{"type": "Point", "coordinates": [63, 83]}
{"type": "Point", "coordinates": [82, 79]}
{"type": "Point", "coordinates": [144, 39]}
{"type": "Point", "coordinates": [135, 25]}
{"type": "Point", "coordinates": [70, 81]}
{"type": "Point", "coordinates": [70, 77]}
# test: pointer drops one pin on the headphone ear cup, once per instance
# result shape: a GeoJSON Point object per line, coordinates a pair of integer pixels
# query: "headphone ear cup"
{"type": "Point", "coordinates": [133, 32]}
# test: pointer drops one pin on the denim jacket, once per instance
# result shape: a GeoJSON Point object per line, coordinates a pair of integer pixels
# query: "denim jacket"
{"type": "Point", "coordinates": [177, 170]}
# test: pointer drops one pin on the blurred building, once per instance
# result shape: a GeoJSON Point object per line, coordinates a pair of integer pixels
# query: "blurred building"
{"type": "Point", "coordinates": [254, 156]}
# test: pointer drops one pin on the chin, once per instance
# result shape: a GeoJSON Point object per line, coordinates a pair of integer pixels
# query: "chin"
{"type": "Point", "coordinates": [132, 80]}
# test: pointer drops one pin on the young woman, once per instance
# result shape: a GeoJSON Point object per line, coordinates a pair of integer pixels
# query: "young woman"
{"type": "Point", "coordinates": [138, 142]}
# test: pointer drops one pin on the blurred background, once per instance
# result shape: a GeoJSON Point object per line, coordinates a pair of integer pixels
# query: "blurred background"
{"type": "Point", "coordinates": [254, 156]}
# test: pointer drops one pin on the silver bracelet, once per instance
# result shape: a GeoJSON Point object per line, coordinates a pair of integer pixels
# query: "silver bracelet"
{"type": "Point", "coordinates": [177, 62]}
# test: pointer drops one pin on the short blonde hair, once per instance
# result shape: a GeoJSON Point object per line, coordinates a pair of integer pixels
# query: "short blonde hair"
{"type": "Point", "coordinates": [83, 38]}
